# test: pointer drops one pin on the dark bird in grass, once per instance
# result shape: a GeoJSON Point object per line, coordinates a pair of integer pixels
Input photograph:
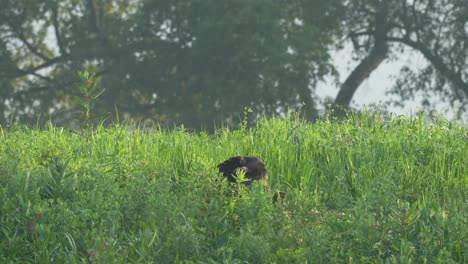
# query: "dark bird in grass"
{"type": "Point", "coordinates": [253, 168]}
{"type": "Point", "coordinates": [277, 195]}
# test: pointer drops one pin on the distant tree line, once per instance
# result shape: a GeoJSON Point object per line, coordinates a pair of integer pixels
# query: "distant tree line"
{"type": "Point", "coordinates": [202, 61]}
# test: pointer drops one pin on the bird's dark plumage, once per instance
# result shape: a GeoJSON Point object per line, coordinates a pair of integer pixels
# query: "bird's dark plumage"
{"type": "Point", "coordinates": [253, 167]}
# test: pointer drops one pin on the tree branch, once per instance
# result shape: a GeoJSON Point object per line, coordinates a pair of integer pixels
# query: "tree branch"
{"type": "Point", "coordinates": [355, 35]}
{"type": "Point", "coordinates": [41, 76]}
{"type": "Point", "coordinates": [452, 75]}
{"type": "Point", "coordinates": [49, 62]}
{"type": "Point", "coordinates": [31, 47]}
{"type": "Point", "coordinates": [376, 56]}
{"type": "Point", "coordinates": [360, 73]}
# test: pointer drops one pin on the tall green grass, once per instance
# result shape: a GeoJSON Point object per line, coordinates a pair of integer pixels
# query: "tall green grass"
{"type": "Point", "coordinates": [361, 190]}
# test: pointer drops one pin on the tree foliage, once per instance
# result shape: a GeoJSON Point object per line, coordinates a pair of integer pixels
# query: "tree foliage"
{"type": "Point", "coordinates": [188, 62]}
{"type": "Point", "coordinates": [204, 61]}
{"type": "Point", "coordinates": [439, 31]}
{"type": "Point", "coordinates": [380, 30]}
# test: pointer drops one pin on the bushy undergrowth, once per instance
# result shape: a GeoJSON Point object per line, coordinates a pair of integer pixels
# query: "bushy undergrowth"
{"type": "Point", "coordinates": [363, 190]}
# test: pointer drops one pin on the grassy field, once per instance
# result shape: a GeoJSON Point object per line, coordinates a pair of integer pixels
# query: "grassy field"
{"type": "Point", "coordinates": [362, 190]}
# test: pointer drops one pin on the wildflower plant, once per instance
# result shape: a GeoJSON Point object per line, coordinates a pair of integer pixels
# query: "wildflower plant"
{"type": "Point", "coordinates": [90, 91]}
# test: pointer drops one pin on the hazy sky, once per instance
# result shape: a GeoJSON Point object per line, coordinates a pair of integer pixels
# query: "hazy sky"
{"type": "Point", "coordinates": [373, 90]}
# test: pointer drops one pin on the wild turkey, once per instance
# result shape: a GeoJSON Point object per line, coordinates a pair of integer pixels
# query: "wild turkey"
{"type": "Point", "coordinates": [254, 170]}
{"type": "Point", "coordinates": [253, 167]}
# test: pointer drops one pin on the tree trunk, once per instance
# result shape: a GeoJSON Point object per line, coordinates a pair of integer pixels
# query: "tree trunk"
{"type": "Point", "coordinates": [376, 56]}
{"type": "Point", "coordinates": [359, 74]}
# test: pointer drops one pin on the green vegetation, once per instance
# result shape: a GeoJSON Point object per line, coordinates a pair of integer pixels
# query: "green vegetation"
{"type": "Point", "coordinates": [87, 100]}
{"type": "Point", "coordinates": [362, 190]}
{"type": "Point", "coordinates": [194, 61]}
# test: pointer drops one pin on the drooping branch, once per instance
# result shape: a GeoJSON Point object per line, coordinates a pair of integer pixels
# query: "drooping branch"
{"type": "Point", "coordinates": [31, 47]}
{"type": "Point", "coordinates": [452, 75]}
{"type": "Point", "coordinates": [48, 63]}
